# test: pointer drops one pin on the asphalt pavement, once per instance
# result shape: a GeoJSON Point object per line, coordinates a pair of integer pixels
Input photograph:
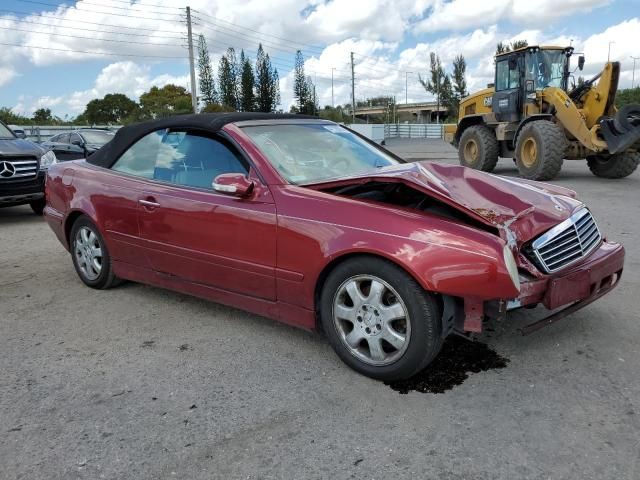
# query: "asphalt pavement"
{"type": "Point", "coordinates": [142, 383]}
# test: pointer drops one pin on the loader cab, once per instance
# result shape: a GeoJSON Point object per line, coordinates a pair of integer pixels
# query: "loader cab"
{"type": "Point", "coordinates": [524, 72]}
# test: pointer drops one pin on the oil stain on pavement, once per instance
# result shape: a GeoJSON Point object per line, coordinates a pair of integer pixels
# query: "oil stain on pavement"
{"type": "Point", "coordinates": [452, 366]}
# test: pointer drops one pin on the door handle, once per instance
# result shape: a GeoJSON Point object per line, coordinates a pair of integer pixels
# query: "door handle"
{"type": "Point", "coordinates": [149, 203]}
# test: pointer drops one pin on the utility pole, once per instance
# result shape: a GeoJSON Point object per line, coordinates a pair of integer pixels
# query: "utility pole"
{"type": "Point", "coordinates": [633, 75]}
{"type": "Point", "coordinates": [333, 105]}
{"type": "Point", "coordinates": [353, 92]}
{"type": "Point", "coordinates": [192, 68]}
{"type": "Point", "coordinates": [406, 90]}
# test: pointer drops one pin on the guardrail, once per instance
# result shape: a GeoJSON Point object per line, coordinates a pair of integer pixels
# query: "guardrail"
{"type": "Point", "coordinates": [40, 133]}
{"type": "Point", "coordinates": [413, 130]}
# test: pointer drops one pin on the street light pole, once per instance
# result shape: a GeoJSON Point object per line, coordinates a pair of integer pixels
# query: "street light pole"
{"type": "Point", "coordinates": [333, 105]}
{"type": "Point", "coordinates": [633, 74]}
{"type": "Point", "coordinates": [609, 52]}
{"type": "Point", "coordinates": [406, 87]}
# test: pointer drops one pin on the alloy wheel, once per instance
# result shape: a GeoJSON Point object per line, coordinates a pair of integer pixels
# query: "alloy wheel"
{"type": "Point", "coordinates": [88, 252]}
{"type": "Point", "coordinates": [371, 319]}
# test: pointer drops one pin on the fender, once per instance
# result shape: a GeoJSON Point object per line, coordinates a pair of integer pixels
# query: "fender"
{"type": "Point", "coordinates": [465, 123]}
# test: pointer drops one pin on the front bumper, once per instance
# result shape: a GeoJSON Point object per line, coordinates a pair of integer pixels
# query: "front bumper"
{"type": "Point", "coordinates": [575, 288]}
{"type": "Point", "coordinates": [18, 192]}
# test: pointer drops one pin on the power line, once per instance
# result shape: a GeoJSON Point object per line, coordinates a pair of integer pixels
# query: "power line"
{"type": "Point", "coordinates": [287, 40]}
{"type": "Point", "coordinates": [91, 23]}
{"type": "Point", "coordinates": [97, 31]}
{"type": "Point", "coordinates": [96, 11]}
{"type": "Point", "coordinates": [86, 38]}
{"type": "Point", "coordinates": [88, 52]}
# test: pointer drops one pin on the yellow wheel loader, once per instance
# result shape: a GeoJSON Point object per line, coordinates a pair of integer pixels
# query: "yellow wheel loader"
{"type": "Point", "coordinates": [529, 115]}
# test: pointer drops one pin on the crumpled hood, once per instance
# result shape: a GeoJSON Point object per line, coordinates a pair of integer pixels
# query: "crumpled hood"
{"type": "Point", "coordinates": [517, 207]}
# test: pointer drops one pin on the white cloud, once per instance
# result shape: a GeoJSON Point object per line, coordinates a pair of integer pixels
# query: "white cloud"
{"type": "Point", "coordinates": [6, 75]}
{"type": "Point", "coordinates": [464, 14]}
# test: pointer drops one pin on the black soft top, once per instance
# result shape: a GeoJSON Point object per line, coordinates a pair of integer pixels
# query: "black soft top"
{"type": "Point", "coordinates": [212, 122]}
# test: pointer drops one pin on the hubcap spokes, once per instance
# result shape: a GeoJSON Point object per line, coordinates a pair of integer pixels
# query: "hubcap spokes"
{"type": "Point", "coordinates": [371, 319]}
{"type": "Point", "coordinates": [88, 252]}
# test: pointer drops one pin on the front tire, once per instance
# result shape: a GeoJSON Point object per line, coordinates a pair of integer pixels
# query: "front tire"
{"type": "Point", "coordinates": [478, 148]}
{"type": "Point", "coordinates": [379, 320]}
{"type": "Point", "coordinates": [90, 255]}
{"type": "Point", "coordinates": [38, 206]}
{"type": "Point", "coordinates": [619, 165]}
{"type": "Point", "coordinates": [540, 150]}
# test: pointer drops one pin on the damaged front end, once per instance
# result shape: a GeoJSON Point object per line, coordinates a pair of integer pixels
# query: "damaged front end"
{"type": "Point", "coordinates": [553, 249]}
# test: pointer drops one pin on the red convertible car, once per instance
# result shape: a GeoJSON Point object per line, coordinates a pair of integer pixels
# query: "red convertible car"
{"type": "Point", "coordinates": [305, 221]}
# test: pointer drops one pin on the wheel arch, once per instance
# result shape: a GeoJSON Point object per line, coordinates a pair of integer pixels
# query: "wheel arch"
{"type": "Point", "coordinates": [70, 219]}
{"type": "Point", "coordinates": [343, 257]}
{"type": "Point", "coordinates": [465, 123]}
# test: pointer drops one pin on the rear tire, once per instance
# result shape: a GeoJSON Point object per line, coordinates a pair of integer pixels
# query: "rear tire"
{"type": "Point", "coordinates": [90, 255]}
{"type": "Point", "coordinates": [619, 165]}
{"type": "Point", "coordinates": [379, 320]}
{"type": "Point", "coordinates": [478, 148]}
{"type": "Point", "coordinates": [38, 206]}
{"type": "Point", "coordinates": [540, 150]}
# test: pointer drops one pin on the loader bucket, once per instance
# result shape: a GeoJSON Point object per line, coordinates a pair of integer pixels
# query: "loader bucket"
{"type": "Point", "coordinates": [622, 131]}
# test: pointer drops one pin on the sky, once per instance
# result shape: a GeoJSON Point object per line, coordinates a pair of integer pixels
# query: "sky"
{"type": "Point", "coordinates": [61, 55]}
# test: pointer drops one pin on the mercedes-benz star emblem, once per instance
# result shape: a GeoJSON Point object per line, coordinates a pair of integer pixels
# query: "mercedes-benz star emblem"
{"type": "Point", "coordinates": [7, 170]}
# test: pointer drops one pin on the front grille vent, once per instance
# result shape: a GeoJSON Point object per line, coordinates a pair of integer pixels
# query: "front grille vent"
{"type": "Point", "coordinates": [566, 243]}
{"type": "Point", "coordinates": [18, 168]}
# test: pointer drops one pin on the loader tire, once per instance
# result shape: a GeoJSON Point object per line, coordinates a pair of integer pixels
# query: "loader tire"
{"type": "Point", "coordinates": [540, 150]}
{"type": "Point", "coordinates": [627, 118]}
{"type": "Point", "coordinates": [619, 165]}
{"type": "Point", "coordinates": [478, 148]}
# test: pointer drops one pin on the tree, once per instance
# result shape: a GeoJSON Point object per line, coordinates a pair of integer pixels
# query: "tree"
{"type": "Point", "coordinates": [42, 116]}
{"type": "Point", "coordinates": [435, 83]}
{"type": "Point", "coordinates": [208, 93]}
{"type": "Point", "coordinates": [247, 84]}
{"type": "Point", "coordinates": [311, 105]}
{"type": "Point", "coordinates": [8, 116]}
{"type": "Point", "coordinates": [168, 100]}
{"type": "Point", "coordinates": [267, 83]}
{"type": "Point", "coordinates": [627, 95]}
{"type": "Point", "coordinates": [112, 108]}
{"type": "Point", "coordinates": [228, 79]}
{"type": "Point", "coordinates": [300, 84]}
{"type": "Point", "coordinates": [459, 81]}
{"type": "Point", "coordinates": [502, 47]}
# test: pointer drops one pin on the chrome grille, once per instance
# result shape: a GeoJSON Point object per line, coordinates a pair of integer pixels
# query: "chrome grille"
{"type": "Point", "coordinates": [18, 168]}
{"type": "Point", "coordinates": [567, 242]}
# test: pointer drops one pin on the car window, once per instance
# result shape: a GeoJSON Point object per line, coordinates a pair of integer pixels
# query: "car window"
{"type": "Point", "coordinates": [63, 138]}
{"type": "Point", "coordinates": [75, 137]}
{"type": "Point", "coordinates": [183, 158]}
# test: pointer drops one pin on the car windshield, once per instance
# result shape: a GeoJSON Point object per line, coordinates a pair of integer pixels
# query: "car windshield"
{"type": "Point", "coordinates": [5, 132]}
{"type": "Point", "coordinates": [97, 137]}
{"type": "Point", "coordinates": [312, 153]}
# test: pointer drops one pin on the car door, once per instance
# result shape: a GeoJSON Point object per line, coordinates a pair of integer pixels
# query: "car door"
{"type": "Point", "coordinates": [202, 236]}
{"type": "Point", "coordinates": [76, 148]}
{"type": "Point", "coordinates": [62, 148]}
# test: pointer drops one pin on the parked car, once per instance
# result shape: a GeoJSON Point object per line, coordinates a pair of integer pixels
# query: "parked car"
{"type": "Point", "coordinates": [19, 131]}
{"type": "Point", "coordinates": [22, 170]}
{"type": "Point", "coordinates": [304, 221]}
{"type": "Point", "coordinates": [78, 144]}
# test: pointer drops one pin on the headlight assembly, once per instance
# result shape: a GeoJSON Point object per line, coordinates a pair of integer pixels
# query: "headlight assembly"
{"type": "Point", "coordinates": [512, 267]}
{"type": "Point", "coordinates": [47, 160]}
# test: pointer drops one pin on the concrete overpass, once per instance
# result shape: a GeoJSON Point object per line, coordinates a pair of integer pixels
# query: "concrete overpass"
{"type": "Point", "coordinates": [425, 112]}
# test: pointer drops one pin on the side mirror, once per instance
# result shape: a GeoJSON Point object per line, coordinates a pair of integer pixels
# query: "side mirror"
{"type": "Point", "coordinates": [529, 86]}
{"type": "Point", "coordinates": [236, 184]}
{"type": "Point", "coordinates": [77, 143]}
{"type": "Point", "coordinates": [581, 62]}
